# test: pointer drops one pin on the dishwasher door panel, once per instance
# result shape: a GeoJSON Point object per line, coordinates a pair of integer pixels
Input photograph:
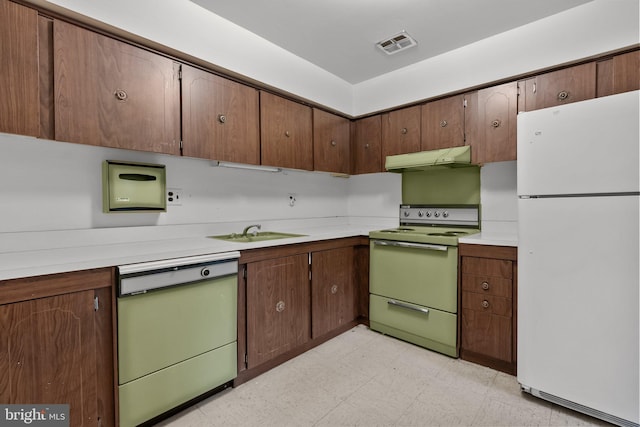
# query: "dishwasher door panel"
{"type": "Point", "coordinates": [152, 395]}
{"type": "Point", "coordinates": [421, 276]}
{"type": "Point", "coordinates": [160, 328]}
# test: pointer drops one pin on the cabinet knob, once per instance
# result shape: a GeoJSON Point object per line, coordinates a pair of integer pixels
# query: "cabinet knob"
{"type": "Point", "coordinates": [443, 123]}
{"type": "Point", "coordinates": [287, 133]}
{"type": "Point", "coordinates": [334, 289]}
{"type": "Point", "coordinates": [333, 143]}
{"type": "Point", "coordinates": [120, 95]}
{"type": "Point", "coordinates": [366, 146]}
{"type": "Point", "coordinates": [485, 285]}
{"type": "Point", "coordinates": [562, 95]}
{"type": "Point", "coordinates": [496, 123]}
{"type": "Point", "coordinates": [222, 118]}
{"type": "Point", "coordinates": [404, 131]}
{"type": "Point", "coordinates": [485, 304]}
{"type": "Point", "coordinates": [280, 306]}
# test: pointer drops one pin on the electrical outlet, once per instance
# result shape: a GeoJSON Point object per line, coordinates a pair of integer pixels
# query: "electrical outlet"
{"type": "Point", "coordinates": [174, 197]}
{"type": "Point", "coordinates": [292, 199]}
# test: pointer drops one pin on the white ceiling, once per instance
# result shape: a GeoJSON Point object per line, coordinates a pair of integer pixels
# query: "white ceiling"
{"type": "Point", "coordinates": [339, 36]}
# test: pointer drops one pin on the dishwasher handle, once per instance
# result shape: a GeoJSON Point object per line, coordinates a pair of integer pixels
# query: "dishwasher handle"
{"type": "Point", "coordinates": [411, 245]}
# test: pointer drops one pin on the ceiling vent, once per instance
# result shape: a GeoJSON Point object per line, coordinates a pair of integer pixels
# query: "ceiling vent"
{"type": "Point", "coordinates": [395, 44]}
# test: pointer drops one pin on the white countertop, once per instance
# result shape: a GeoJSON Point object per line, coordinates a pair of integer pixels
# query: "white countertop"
{"type": "Point", "coordinates": [38, 253]}
{"type": "Point", "coordinates": [491, 238]}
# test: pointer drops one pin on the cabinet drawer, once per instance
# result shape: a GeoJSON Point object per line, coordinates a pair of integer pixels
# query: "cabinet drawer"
{"type": "Point", "coordinates": [487, 267]}
{"type": "Point", "coordinates": [486, 285]}
{"type": "Point", "coordinates": [489, 303]}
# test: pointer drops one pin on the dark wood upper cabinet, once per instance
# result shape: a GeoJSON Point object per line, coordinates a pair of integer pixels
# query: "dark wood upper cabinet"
{"type": "Point", "coordinates": [401, 131]}
{"type": "Point", "coordinates": [443, 123]}
{"type": "Point", "coordinates": [490, 123]}
{"type": "Point", "coordinates": [619, 74]}
{"type": "Point", "coordinates": [19, 103]}
{"type": "Point", "coordinates": [331, 150]}
{"type": "Point", "coordinates": [112, 94]}
{"type": "Point", "coordinates": [560, 87]}
{"type": "Point", "coordinates": [286, 133]}
{"type": "Point", "coordinates": [220, 118]}
{"type": "Point", "coordinates": [367, 145]}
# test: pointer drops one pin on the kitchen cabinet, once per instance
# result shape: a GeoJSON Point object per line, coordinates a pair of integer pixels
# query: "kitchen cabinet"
{"type": "Point", "coordinates": [443, 123]}
{"type": "Point", "coordinates": [331, 150]}
{"type": "Point", "coordinates": [220, 118]}
{"type": "Point", "coordinates": [367, 145]}
{"type": "Point", "coordinates": [564, 86]}
{"type": "Point", "coordinates": [490, 123]}
{"type": "Point", "coordinates": [333, 294]}
{"type": "Point", "coordinates": [401, 131]}
{"type": "Point", "coordinates": [113, 94]}
{"type": "Point", "coordinates": [57, 344]}
{"type": "Point", "coordinates": [286, 133]}
{"type": "Point", "coordinates": [19, 79]}
{"type": "Point", "coordinates": [488, 305]}
{"type": "Point", "coordinates": [619, 74]}
{"type": "Point", "coordinates": [278, 310]}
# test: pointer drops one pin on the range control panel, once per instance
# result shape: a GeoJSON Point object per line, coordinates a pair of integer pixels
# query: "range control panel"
{"type": "Point", "coordinates": [458, 215]}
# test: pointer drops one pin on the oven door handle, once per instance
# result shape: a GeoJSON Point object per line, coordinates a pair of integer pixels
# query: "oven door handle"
{"type": "Point", "coordinates": [408, 306]}
{"type": "Point", "coordinates": [411, 245]}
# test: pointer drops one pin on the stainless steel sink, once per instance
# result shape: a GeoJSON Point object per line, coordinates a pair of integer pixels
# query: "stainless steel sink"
{"type": "Point", "coordinates": [255, 237]}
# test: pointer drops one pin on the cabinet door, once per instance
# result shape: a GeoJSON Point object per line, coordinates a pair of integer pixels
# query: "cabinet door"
{"type": "Point", "coordinates": [220, 118]}
{"type": "Point", "coordinates": [48, 354]}
{"type": "Point", "coordinates": [331, 151]}
{"type": "Point", "coordinates": [367, 145]}
{"type": "Point", "coordinates": [401, 131]}
{"type": "Point", "coordinates": [112, 94]}
{"type": "Point", "coordinates": [286, 133]}
{"type": "Point", "coordinates": [19, 112]}
{"type": "Point", "coordinates": [333, 298]}
{"type": "Point", "coordinates": [278, 317]}
{"type": "Point", "coordinates": [490, 123]}
{"type": "Point", "coordinates": [443, 123]}
{"type": "Point", "coordinates": [619, 74]}
{"type": "Point", "coordinates": [560, 87]}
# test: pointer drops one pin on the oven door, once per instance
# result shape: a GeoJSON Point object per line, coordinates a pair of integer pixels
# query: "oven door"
{"type": "Point", "coordinates": [419, 273]}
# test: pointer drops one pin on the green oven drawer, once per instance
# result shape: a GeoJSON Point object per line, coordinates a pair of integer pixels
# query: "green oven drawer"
{"type": "Point", "coordinates": [156, 393]}
{"type": "Point", "coordinates": [436, 330]}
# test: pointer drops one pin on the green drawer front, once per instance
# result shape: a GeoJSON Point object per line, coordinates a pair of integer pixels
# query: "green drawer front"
{"type": "Point", "coordinates": [164, 327]}
{"type": "Point", "coordinates": [427, 277]}
{"type": "Point", "coordinates": [436, 330]}
{"type": "Point", "coordinates": [154, 394]}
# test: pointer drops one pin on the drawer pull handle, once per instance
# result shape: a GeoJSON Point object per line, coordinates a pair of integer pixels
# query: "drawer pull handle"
{"type": "Point", "coordinates": [485, 304]}
{"type": "Point", "coordinates": [410, 245]}
{"type": "Point", "coordinates": [485, 286]}
{"type": "Point", "coordinates": [408, 306]}
{"type": "Point", "coordinates": [280, 306]}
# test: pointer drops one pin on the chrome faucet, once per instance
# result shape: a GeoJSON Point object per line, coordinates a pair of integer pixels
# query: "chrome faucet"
{"type": "Point", "coordinates": [247, 228]}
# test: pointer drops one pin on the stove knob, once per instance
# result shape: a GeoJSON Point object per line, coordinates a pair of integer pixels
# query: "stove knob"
{"type": "Point", "coordinates": [406, 213]}
{"type": "Point", "coordinates": [436, 214]}
{"type": "Point", "coordinates": [421, 214]}
{"type": "Point", "coordinates": [445, 214]}
{"type": "Point", "coordinates": [428, 214]}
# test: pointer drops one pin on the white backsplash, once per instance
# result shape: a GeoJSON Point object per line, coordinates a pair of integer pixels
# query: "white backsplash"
{"type": "Point", "coordinates": [47, 185]}
{"type": "Point", "coordinates": [499, 197]}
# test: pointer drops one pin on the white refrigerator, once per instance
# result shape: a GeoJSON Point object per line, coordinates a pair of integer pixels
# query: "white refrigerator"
{"type": "Point", "coordinates": [578, 256]}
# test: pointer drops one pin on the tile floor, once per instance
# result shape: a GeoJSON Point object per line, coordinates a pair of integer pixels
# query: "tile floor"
{"type": "Point", "coordinates": [363, 378]}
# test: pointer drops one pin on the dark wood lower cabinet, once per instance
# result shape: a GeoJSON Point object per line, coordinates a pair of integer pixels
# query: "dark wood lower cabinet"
{"type": "Point", "coordinates": [56, 344]}
{"type": "Point", "coordinates": [488, 306]}
{"type": "Point", "coordinates": [277, 307]}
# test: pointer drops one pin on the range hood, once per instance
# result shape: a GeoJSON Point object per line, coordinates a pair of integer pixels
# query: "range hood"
{"type": "Point", "coordinates": [426, 160]}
